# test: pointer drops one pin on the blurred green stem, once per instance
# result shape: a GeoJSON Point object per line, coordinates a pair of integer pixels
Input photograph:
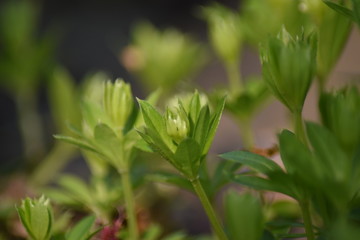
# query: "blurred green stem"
{"type": "Point", "coordinates": [54, 161]}
{"type": "Point", "coordinates": [129, 205]}
{"type": "Point", "coordinates": [30, 125]}
{"type": "Point", "coordinates": [208, 209]}
{"type": "Point", "coordinates": [233, 72]}
{"type": "Point", "coordinates": [299, 127]}
{"type": "Point", "coordinates": [246, 133]}
{"type": "Point", "coordinates": [305, 211]}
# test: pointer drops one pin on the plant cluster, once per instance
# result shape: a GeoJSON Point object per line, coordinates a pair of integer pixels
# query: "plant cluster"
{"type": "Point", "coordinates": [122, 138]}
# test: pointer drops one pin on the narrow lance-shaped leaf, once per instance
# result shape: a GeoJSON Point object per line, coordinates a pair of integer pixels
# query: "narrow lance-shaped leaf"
{"type": "Point", "coordinates": [154, 121]}
{"type": "Point", "coordinates": [188, 156]}
{"type": "Point", "coordinates": [171, 178]}
{"type": "Point", "coordinates": [81, 230]}
{"type": "Point", "coordinates": [255, 161]}
{"type": "Point", "coordinates": [214, 124]}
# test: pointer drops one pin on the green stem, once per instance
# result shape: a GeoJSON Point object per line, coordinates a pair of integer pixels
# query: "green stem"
{"type": "Point", "coordinates": [246, 133]}
{"type": "Point", "coordinates": [54, 161]}
{"type": "Point", "coordinates": [30, 126]}
{"type": "Point", "coordinates": [299, 127]}
{"type": "Point", "coordinates": [305, 211]}
{"type": "Point", "coordinates": [209, 209]}
{"type": "Point", "coordinates": [129, 205]}
{"type": "Point", "coordinates": [233, 72]}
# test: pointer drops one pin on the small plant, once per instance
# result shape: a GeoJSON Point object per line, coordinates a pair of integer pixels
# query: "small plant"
{"type": "Point", "coordinates": [314, 182]}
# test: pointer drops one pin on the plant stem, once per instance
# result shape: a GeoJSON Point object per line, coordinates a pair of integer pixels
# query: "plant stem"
{"type": "Point", "coordinates": [305, 211]}
{"type": "Point", "coordinates": [209, 209]}
{"type": "Point", "coordinates": [129, 205]}
{"type": "Point", "coordinates": [53, 162]}
{"type": "Point", "coordinates": [299, 127]}
{"type": "Point", "coordinates": [30, 126]}
{"type": "Point", "coordinates": [233, 72]}
{"type": "Point", "coordinates": [246, 133]}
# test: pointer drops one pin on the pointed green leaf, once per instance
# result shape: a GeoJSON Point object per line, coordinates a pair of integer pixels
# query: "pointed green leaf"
{"type": "Point", "coordinates": [202, 126]}
{"type": "Point", "coordinates": [213, 125]}
{"type": "Point", "coordinates": [81, 229]}
{"type": "Point", "coordinates": [255, 161]}
{"type": "Point", "coordinates": [341, 9]}
{"type": "Point", "coordinates": [155, 122]}
{"type": "Point", "coordinates": [194, 107]}
{"type": "Point", "coordinates": [171, 178]}
{"type": "Point", "coordinates": [296, 157]}
{"type": "Point", "coordinates": [76, 188]}
{"type": "Point", "coordinates": [157, 145]}
{"type": "Point", "coordinates": [188, 156]}
{"type": "Point", "coordinates": [64, 103]}
{"type": "Point", "coordinates": [78, 142]}
{"type": "Point", "coordinates": [244, 217]}
{"type": "Point", "coordinates": [107, 140]}
{"type": "Point", "coordinates": [263, 184]}
{"type": "Point", "coordinates": [330, 156]}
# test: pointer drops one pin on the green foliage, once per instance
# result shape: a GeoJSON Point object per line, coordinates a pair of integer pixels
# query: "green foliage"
{"type": "Point", "coordinates": [25, 59]}
{"type": "Point", "coordinates": [258, 25]}
{"type": "Point", "coordinates": [245, 104]}
{"type": "Point", "coordinates": [81, 230]}
{"type": "Point", "coordinates": [63, 97]}
{"type": "Point", "coordinates": [183, 148]}
{"type": "Point", "coordinates": [162, 58]}
{"type": "Point", "coordinates": [333, 30]}
{"type": "Point", "coordinates": [288, 67]}
{"type": "Point", "coordinates": [320, 167]}
{"type": "Point", "coordinates": [340, 112]}
{"type": "Point", "coordinates": [244, 217]}
{"type": "Point", "coordinates": [353, 14]}
{"type": "Point", "coordinates": [225, 30]}
{"type": "Point", "coordinates": [37, 217]}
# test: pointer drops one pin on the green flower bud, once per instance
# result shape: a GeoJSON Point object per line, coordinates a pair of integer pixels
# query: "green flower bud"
{"type": "Point", "coordinates": [177, 124]}
{"type": "Point", "coordinates": [289, 66]}
{"type": "Point", "coordinates": [118, 103]}
{"type": "Point", "coordinates": [333, 30]}
{"type": "Point", "coordinates": [36, 217]}
{"type": "Point", "coordinates": [181, 137]}
{"type": "Point", "coordinates": [225, 31]}
{"type": "Point", "coordinates": [340, 112]}
{"type": "Point", "coordinates": [162, 58]}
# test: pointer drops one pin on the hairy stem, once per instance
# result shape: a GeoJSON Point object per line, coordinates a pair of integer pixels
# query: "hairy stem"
{"type": "Point", "coordinates": [216, 225]}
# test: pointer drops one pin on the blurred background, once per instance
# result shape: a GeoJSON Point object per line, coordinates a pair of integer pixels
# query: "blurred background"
{"type": "Point", "coordinates": [84, 37]}
{"type": "Point", "coordinates": [88, 36]}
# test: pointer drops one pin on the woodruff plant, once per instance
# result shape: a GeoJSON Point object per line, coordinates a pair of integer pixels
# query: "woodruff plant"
{"type": "Point", "coordinates": [108, 132]}
{"type": "Point", "coordinates": [320, 163]}
{"type": "Point", "coordinates": [182, 136]}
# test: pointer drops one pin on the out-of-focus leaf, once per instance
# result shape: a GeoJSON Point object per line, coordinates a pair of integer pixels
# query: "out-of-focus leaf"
{"type": "Point", "coordinates": [214, 124]}
{"type": "Point", "coordinates": [155, 122]}
{"type": "Point", "coordinates": [263, 184]}
{"type": "Point", "coordinates": [254, 161]}
{"type": "Point", "coordinates": [171, 178]}
{"type": "Point", "coordinates": [341, 9]}
{"type": "Point", "coordinates": [77, 188]}
{"type": "Point", "coordinates": [188, 156]}
{"type": "Point", "coordinates": [63, 100]}
{"type": "Point", "coordinates": [244, 217]}
{"type": "Point", "coordinates": [78, 142]}
{"type": "Point", "coordinates": [81, 230]}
